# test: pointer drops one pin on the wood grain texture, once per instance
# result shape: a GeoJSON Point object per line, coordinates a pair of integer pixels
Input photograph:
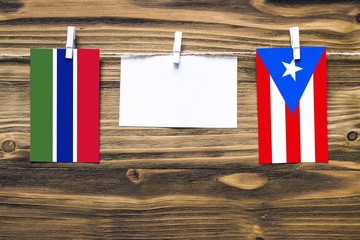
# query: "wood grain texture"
{"type": "Point", "coordinates": [165, 183]}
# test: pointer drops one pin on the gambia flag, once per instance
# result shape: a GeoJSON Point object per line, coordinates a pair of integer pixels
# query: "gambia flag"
{"type": "Point", "coordinates": [64, 108]}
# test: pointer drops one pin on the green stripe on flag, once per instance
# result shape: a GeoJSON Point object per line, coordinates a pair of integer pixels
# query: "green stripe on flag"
{"type": "Point", "coordinates": [41, 78]}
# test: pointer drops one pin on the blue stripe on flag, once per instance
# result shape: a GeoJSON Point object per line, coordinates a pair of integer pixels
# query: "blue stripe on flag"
{"type": "Point", "coordinates": [64, 107]}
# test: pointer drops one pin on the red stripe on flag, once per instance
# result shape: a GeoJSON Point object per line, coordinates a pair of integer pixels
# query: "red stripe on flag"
{"type": "Point", "coordinates": [264, 112]}
{"type": "Point", "coordinates": [320, 89]}
{"type": "Point", "coordinates": [293, 154]}
{"type": "Point", "coordinates": [88, 105]}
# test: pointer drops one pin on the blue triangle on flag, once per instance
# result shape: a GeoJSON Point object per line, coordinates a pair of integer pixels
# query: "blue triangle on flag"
{"type": "Point", "coordinates": [275, 60]}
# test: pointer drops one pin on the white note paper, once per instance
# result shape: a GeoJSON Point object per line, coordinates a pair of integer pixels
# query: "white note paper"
{"type": "Point", "coordinates": [200, 92]}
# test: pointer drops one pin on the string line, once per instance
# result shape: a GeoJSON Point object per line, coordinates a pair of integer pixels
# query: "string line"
{"type": "Point", "coordinates": [129, 54]}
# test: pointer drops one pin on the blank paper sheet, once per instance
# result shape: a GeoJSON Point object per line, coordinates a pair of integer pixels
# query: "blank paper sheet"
{"type": "Point", "coordinates": [200, 92]}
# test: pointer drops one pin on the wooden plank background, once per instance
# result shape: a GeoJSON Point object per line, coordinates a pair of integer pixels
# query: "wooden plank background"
{"type": "Point", "coordinates": [180, 183]}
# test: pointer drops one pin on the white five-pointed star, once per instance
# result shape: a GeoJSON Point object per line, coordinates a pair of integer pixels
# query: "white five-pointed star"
{"type": "Point", "coordinates": [291, 69]}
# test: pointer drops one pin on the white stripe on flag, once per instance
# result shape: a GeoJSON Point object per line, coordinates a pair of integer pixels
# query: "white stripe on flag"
{"type": "Point", "coordinates": [54, 107]}
{"type": "Point", "coordinates": [307, 123]}
{"type": "Point", "coordinates": [278, 124]}
{"type": "Point", "coordinates": [75, 105]}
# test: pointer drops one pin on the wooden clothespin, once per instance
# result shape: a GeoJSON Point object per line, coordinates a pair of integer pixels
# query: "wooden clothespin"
{"type": "Point", "coordinates": [295, 42]}
{"type": "Point", "coordinates": [70, 42]}
{"type": "Point", "coordinates": [177, 47]}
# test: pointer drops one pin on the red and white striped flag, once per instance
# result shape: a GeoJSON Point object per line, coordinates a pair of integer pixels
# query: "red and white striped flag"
{"type": "Point", "coordinates": [292, 116]}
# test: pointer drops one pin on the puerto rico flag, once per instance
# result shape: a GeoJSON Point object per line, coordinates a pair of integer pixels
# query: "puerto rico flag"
{"type": "Point", "coordinates": [292, 116]}
{"type": "Point", "coordinates": [64, 106]}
